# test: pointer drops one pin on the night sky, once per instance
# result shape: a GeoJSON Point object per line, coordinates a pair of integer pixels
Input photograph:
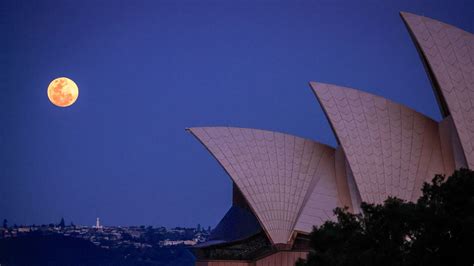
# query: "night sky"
{"type": "Point", "coordinates": [146, 70]}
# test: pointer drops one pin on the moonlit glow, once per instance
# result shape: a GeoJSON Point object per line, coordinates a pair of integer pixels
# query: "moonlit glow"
{"type": "Point", "coordinates": [63, 92]}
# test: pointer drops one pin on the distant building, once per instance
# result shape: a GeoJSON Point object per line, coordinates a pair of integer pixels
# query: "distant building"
{"type": "Point", "coordinates": [97, 224]}
{"type": "Point", "coordinates": [284, 185]}
{"type": "Point", "coordinates": [168, 242]}
{"type": "Point", "coordinates": [24, 229]}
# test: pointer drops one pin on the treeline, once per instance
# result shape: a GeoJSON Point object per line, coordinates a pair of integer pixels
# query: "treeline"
{"type": "Point", "coordinates": [438, 229]}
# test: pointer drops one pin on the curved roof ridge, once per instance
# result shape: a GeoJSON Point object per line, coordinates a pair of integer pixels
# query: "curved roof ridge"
{"type": "Point", "coordinates": [264, 130]}
{"type": "Point", "coordinates": [447, 53]}
{"type": "Point", "coordinates": [406, 14]}
{"type": "Point", "coordinates": [374, 95]}
{"type": "Point", "coordinates": [274, 171]}
{"type": "Point", "coordinates": [391, 149]}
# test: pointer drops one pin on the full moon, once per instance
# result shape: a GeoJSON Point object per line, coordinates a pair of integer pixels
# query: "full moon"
{"type": "Point", "coordinates": [62, 92]}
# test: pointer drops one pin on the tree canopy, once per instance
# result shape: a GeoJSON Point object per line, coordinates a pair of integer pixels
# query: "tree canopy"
{"type": "Point", "coordinates": [436, 230]}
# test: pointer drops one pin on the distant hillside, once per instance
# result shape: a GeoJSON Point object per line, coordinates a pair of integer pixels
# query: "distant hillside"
{"type": "Point", "coordinates": [37, 249]}
{"type": "Point", "coordinates": [52, 250]}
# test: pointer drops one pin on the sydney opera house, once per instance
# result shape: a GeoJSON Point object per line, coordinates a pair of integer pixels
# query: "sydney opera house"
{"type": "Point", "coordinates": [284, 185]}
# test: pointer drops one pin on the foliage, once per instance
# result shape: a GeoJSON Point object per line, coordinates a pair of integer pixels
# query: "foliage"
{"type": "Point", "coordinates": [436, 230]}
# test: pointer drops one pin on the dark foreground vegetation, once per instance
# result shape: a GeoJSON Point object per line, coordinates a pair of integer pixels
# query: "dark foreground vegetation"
{"type": "Point", "coordinates": [52, 250]}
{"type": "Point", "coordinates": [436, 230]}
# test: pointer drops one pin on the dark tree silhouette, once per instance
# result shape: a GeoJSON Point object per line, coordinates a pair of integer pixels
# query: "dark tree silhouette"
{"type": "Point", "coordinates": [5, 223]}
{"type": "Point", "coordinates": [436, 230]}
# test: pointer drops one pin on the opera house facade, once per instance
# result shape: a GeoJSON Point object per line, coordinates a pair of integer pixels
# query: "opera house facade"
{"type": "Point", "coordinates": [284, 185]}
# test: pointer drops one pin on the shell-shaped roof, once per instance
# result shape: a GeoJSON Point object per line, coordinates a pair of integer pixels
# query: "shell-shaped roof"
{"type": "Point", "coordinates": [448, 54]}
{"type": "Point", "coordinates": [390, 148]}
{"type": "Point", "coordinates": [275, 172]}
{"type": "Point", "coordinates": [322, 197]}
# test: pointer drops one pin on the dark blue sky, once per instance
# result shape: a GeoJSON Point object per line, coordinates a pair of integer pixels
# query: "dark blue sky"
{"type": "Point", "coordinates": [146, 70]}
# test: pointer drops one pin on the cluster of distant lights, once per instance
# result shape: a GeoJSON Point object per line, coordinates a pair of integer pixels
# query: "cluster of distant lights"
{"type": "Point", "coordinates": [63, 92]}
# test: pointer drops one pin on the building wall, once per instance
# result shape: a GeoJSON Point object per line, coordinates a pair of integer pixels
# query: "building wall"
{"type": "Point", "coordinates": [446, 131]}
{"type": "Point", "coordinates": [223, 263]}
{"type": "Point", "coordinates": [353, 190]}
{"type": "Point", "coordinates": [451, 145]}
{"type": "Point", "coordinates": [342, 181]}
{"type": "Point", "coordinates": [282, 258]}
{"type": "Point", "coordinates": [322, 198]}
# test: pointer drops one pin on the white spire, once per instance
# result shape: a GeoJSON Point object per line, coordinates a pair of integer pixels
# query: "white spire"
{"type": "Point", "coordinates": [97, 224]}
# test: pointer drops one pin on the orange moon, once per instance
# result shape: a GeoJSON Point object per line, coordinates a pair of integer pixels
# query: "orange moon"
{"type": "Point", "coordinates": [63, 92]}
